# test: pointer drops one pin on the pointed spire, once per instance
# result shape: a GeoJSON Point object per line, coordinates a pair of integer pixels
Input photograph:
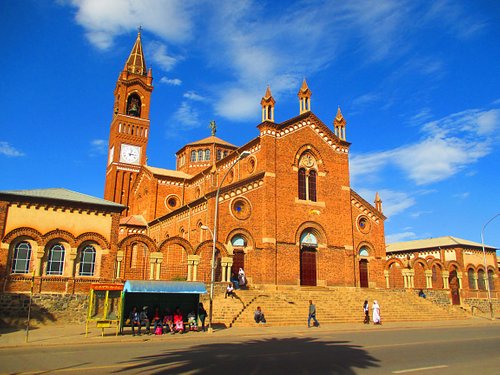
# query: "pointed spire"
{"type": "Point", "coordinates": [339, 124]}
{"type": "Point", "coordinates": [378, 203]}
{"type": "Point", "coordinates": [304, 95]}
{"type": "Point", "coordinates": [136, 62]}
{"type": "Point", "coordinates": [267, 104]}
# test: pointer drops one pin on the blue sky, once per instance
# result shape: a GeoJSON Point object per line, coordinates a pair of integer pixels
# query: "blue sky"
{"type": "Point", "coordinates": [418, 83]}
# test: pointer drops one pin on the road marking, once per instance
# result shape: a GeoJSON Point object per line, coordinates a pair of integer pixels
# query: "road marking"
{"type": "Point", "coordinates": [419, 369]}
{"type": "Point", "coordinates": [430, 342]}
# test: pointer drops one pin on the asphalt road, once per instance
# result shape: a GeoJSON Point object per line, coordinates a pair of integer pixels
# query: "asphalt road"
{"type": "Point", "coordinates": [427, 351]}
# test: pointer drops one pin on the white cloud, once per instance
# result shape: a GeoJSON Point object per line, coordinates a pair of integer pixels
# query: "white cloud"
{"type": "Point", "coordinates": [463, 195]}
{"type": "Point", "coordinates": [103, 20]}
{"type": "Point", "coordinates": [393, 202]}
{"type": "Point", "coordinates": [171, 81]}
{"type": "Point", "coordinates": [398, 237]}
{"type": "Point", "coordinates": [187, 116]}
{"type": "Point", "coordinates": [447, 147]}
{"type": "Point", "coordinates": [191, 95]}
{"type": "Point", "coordinates": [158, 53]}
{"type": "Point", "coordinates": [99, 147]}
{"type": "Point", "coordinates": [7, 150]}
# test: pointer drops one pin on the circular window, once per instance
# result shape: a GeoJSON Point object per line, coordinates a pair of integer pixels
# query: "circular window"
{"type": "Point", "coordinates": [251, 164]}
{"type": "Point", "coordinates": [240, 208]}
{"type": "Point", "coordinates": [364, 224]}
{"type": "Point", "coordinates": [172, 202]}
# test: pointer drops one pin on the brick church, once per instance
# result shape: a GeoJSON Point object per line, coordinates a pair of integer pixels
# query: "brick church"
{"type": "Point", "coordinates": [286, 211]}
{"type": "Point", "coordinates": [280, 207]}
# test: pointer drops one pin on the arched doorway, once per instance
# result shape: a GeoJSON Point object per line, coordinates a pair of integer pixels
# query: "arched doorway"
{"type": "Point", "coordinates": [363, 267]}
{"type": "Point", "coordinates": [239, 243]}
{"type": "Point", "coordinates": [308, 250]}
{"type": "Point", "coordinates": [454, 288]}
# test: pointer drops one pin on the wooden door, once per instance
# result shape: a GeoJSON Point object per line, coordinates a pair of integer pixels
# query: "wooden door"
{"type": "Point", "coordinates": [238, 262]}
{"type": "Point", "coordinates": [363, 273]}
{"type": "Point", "coordinates": [308, 266]}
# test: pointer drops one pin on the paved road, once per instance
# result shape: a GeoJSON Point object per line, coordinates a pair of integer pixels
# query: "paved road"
{"type": "Point", "coordinates": [427, 351]}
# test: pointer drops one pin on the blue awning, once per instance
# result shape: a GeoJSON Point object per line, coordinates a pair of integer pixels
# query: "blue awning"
{"type": "Point", "coordinates": [186, 287]}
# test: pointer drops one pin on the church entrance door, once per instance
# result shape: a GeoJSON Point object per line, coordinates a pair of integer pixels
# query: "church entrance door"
{"type": "Point", "coordinates": [238, 262]}
{"type": "Point", "coordinates": [308, 266]}
{"type": "Point", "coordinates": [454, 288]}
{"type": "Point", "coordinates": [363, 273]}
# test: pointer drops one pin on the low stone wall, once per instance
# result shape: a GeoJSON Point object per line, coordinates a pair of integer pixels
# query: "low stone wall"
{"type": "Point", "coordinates": [481, 307]}
{"type": "Point", "coordinates": [45, 308]}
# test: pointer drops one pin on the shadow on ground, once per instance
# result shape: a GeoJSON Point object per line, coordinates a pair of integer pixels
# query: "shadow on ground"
{"type": "Point", "coordinates": [270, 356]}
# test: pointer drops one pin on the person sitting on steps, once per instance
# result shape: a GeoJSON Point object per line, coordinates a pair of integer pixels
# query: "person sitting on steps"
{"type": "Point", "coordinates": [229, 291]}
{"type": "Point", "coordinates": [259, 316]}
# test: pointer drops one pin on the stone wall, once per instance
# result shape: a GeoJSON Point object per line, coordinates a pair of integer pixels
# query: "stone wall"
{"type": "Point", "coordinates": [45, 308]}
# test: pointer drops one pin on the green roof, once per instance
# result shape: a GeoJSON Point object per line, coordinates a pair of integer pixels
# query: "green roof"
{"type": "Point", "coordinates": [60, 194]}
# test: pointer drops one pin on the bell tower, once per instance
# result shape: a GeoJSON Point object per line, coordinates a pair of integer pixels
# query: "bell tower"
{"type": "Point", "coordinates": [129, 131]}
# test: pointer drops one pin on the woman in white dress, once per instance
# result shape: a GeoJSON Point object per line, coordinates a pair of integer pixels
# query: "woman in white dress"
{"type": "Point", "coordinates": [241, 277]}
{"type": "Point", "coordinates": [376, 313]}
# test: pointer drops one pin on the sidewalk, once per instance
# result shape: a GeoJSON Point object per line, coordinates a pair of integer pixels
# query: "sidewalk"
{"type": "Point", "coordinates": [74, 334]}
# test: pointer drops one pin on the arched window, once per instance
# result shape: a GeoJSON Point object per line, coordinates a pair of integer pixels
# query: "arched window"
{"type": "Point", "coordinates": [22, 257]}
{"type": "Point", "coordinates": [193, 155]}
{"type": "Point", "coordinates": [481, 285]}
{"type": "Point", "coordinates": [219, 154]}
{"type": "Point", "coordinates": [55, 264]}
{"type": "Point", "coordinates": [207, 154]}
{"type": "Point", "coordinates": [490, 280]}
{"type": "Point", "coordinates": [200, 155]}
{"type": "Point", "coordinates": [470, 276]}
{"type": "Point", "coordinates": [364, 251]}
{"type": "Point", "coordinates": [312, 185]}
{"type": "Point", "coordinates": [87, 261]}
{"type": "Point", "coordinates": [308, 239]}
{"type": "Point", "coordinates": [238, 241]}
{"type": "Point", "coordinates": [302, 184]}
{"type": "Point", "coordinates": [133, 256]}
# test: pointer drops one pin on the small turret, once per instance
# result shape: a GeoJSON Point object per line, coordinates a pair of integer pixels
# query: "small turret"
{"type": "Point", "coordinates": [304, 97]}
{"type": "Point", "coordinates": [267, 104]}
{"type": "Point", "coordinates": [339, 125]}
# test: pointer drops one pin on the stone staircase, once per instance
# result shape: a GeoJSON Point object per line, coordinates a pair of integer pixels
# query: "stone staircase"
{"type": "Point", "coordinates": [289, 306]}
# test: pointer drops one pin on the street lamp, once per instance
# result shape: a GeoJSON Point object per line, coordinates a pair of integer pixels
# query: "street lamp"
{"type": "Point", "coordinates": [486, 266]}
{"type": "Point", "coordinates": [243, 155]}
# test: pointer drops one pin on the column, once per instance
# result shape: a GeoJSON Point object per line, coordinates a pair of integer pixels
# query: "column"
{"type": "Point", "coordinates": [411, 277]}
{"type": "Point", "coordinates": [226, 263]}
{"type": "Point", "coordinates": [405, 278]}
{"type": "Point", "coordinates": [158, 268]}
{"type": "Point", "coordinates": [152, 268]}
{"type": "Point", "coordinates": [39, 263]}
{"type": "Point", "coordinates": [428, 278]}
{"type": "Point", "coordinates": [119, 259]}
{"type": "Point", "coordinates": [386, 275]}
{"type": "Point", "coordinates": [71, 264]}
{"type": "Point", "coordinates": [193, 261]}
{"type": "Point", "coordinates": [446, 284]}
{"type": "Point", "coordinates": [486, 282]}
{"type": "Point", "coordinates": [459, 277]}
{"type": "Point", "coordinates": [190, 270]}
{"type": "Point", "coordinates": [476, 285]}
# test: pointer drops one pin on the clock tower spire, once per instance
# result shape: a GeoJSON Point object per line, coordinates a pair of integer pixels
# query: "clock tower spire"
{"type": "Point", "coordinates": [129, 131]}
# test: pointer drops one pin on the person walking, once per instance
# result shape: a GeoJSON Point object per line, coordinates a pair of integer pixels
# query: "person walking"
{"type": "Point", "coordinates": [366, 310]}
{"type": "Point", "coordinates": [376, 313]}
{"type": "Point", "coordinates": [312, 315]}
{"type": "Point", "coordinates": [202, 314]}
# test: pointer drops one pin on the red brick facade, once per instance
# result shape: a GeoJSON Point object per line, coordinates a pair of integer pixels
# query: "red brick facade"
{"type": "Point", "coordinates": [294, 184]}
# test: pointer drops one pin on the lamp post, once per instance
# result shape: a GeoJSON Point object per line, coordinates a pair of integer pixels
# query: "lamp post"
{"type": "Point", "coordinates": [243, 155]}
{"type": "Point", "coordinates": [486, 266]}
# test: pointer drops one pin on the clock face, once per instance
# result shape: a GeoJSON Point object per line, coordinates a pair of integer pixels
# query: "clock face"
{"type": "Point", "coordinates": [130, 154]}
